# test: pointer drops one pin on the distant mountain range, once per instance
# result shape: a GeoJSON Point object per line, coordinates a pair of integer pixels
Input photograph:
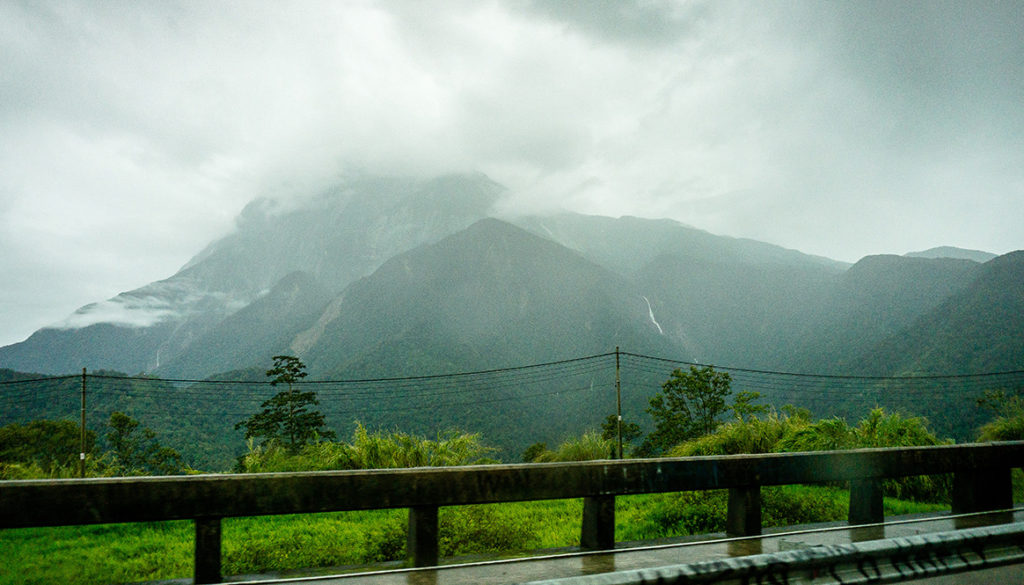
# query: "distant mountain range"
{"type": "Point", "coordinates": [399, 276]}
{"type": "Point", "coordinates": [390, 277]}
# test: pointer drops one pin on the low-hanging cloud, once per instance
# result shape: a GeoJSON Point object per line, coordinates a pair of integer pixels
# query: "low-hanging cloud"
{"type": "Point", "coordinates": [131, 134]}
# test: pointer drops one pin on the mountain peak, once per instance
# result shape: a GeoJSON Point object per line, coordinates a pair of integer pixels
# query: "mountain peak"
{"type": "Point", "coordinates": [953, 252]}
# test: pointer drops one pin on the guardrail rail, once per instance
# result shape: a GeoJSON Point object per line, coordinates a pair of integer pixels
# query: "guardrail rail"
{"type": "Point", "coordinates": [981, 482]}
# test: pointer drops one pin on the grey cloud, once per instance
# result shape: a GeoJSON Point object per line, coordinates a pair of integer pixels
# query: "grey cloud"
{"type": "Point", "coordinates": [132, 133]}
{"type": "Point", "coordinates": [641, 23]}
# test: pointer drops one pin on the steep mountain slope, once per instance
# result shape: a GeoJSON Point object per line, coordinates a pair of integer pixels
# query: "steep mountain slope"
{"type": "Point", "coordinates": [978, 329]}
{"type": "Point", "coordinates": [255, 333]}
{"type": "Point", "coordinates": [490, 296]}
{"type": "Point", "coordinates": [728, 301]}
{"type": "Point", "coordinates": [874, 299]}
{"type": "Point", "coordinates": [337, 236]}
{"type": "Point", "coordinates": [707, 298]}
{"type": "Point", "coordinates": [628, 244]}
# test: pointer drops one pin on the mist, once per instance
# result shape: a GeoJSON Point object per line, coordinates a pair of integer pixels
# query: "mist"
{"type": "Point", "coordinates": [133, 134]}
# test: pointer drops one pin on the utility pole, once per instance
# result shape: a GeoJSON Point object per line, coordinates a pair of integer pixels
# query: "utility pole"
{"type": "Point", "coordinates": [618, 401]}
{"type": "Point", "coordinates": [81, 453]}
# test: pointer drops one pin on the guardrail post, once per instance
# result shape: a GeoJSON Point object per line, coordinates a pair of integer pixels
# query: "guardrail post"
{"type": "Point", "coordinates": [422, 546]}
{"type": "Point", "coordinates": [744, 513]}
{"type": "Point", "coordinates": [866, 502]}
{"type": "Point", "coordinates": [598, 530]}
{"type": "Point", "coordinates": [207, 553]}
{"type": "Point", "coordinates": [982, 490]}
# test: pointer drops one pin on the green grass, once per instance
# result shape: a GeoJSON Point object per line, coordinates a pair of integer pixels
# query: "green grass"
{"type": "Point", "coordinates": [163, 550]}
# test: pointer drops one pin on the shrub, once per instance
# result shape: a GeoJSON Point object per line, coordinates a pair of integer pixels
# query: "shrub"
{"type": "Point", "coordinates": [376, 450]}
{"type": "Point", "coordinates": [751, 436]}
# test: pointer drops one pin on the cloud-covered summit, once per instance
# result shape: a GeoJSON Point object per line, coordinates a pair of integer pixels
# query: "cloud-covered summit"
{"type": "Point", "coordinates": [131, 133]}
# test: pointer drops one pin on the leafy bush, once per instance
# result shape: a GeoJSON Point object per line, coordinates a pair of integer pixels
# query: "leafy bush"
{"type": "Point", "coordinates": [794, 432]}
{"type": "Point", "coordinates": [1003, 428]}
{"type": "Point", "coordinates": [483, 529]}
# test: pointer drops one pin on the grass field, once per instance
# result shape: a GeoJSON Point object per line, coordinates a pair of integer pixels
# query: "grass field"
{"type": "Point", "coordinates": [163, 550]}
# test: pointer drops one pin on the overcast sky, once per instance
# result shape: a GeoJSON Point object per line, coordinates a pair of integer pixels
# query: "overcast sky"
{"type": "Point", "coordinates": [132, 133]}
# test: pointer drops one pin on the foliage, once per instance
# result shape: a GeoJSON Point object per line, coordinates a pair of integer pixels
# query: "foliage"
{"type": "Point", "coordinates": [652, 516]}
{"type": "Point", "coordinates": [139, 455]}
{"type": "Point", "coordinates": [1009, 422]}
{"type": "Point", "coordinates": [739, 436]}
{"type": "Point", "coordinates": [1003, 429]}
{"type": "Point", "coordinates": [370, 450]}
{"type": "Point", "coordinates": [484, 529]}
{"type": "Point", "coordinates": [533, 453]}
{"type": "Point", "coordinates": [610, 431]}
{"type": "Point", "coordinates": [285, 417]}
{"type": "Point", "coordinates": [744, 408]}
{"type": "Point", "coordinates": [101, 466]}
{"type": "Point", "coordinates": [46, 444]}
{"type": "Point", "coordinates": [879, 429]}
{"type": "Point", "coordinates": [587, 447]}
{"type": "Point", "coordinates": [824, 435]}
{"type": "Point", "coordinates": [689, 406]}
{"type": "Point", "coordinates": [794, 432]}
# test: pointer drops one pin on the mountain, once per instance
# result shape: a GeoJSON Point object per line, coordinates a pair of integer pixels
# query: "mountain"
{"type": "Point", "coordinates": [337, 236]}
{"type": "Point", "coordinates": [492, 295]}
{"type": "Point", "coordinates": [385, 278]}
{"type": "Point", "coordinates": [353, 277]}
{"type": "Point", "coordinates": [980, 328]}
{"type": "Point", "coordinates": [951, 252]}
{"type": "Point", "coordinates": [877, 297]}
{"type": "Point", "coordinates": [255, 333]}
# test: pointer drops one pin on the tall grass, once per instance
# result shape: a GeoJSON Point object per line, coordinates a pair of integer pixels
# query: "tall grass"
{"type": "Point", "coordinates": [370, 450]}
{"type": "Point", "coordinates": [1003, 428]}
{"type": "Point", "coordinates": [587, 447]}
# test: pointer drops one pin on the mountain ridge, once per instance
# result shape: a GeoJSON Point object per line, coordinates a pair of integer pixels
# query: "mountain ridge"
{"type": "Point", "coordinates": [716, 299]}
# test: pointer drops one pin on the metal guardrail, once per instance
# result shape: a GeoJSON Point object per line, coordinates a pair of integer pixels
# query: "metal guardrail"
{"type": "Point", "coordinates": [981, 482]}
{"type": "Point", "coordinates": [881, 561]}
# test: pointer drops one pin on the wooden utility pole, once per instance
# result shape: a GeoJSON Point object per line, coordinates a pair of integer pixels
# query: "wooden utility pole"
{"type": "Point", "coordinates": [618, 401]}
{"type": "Point", "coordinates": [81, 453]}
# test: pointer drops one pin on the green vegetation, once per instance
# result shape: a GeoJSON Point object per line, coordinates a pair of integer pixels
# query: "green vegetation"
{"type": "Point", "coordinates": [139, 455]}
{"type": "Point", "coordinates": [44, 444]}
{"type": "Point", "coordinates": [285, 419]}
{"type": "Point", "coordinates": [150, 551]}
{"type": "Point", "coordinates": [794, 431]}
{"type": "Point", "coordinates": [49, 449]}
{"type": "Point", "coordinates": [630, 431]}
{"type": "Point", "coordinates": [688, 406]}
{"type": "Point", "coordinates": [377, 450]}
{"type": "Point", "coordinates": [587, 447]}
{"type": "Point", "coordinates": [691, 404]}
{"type": "Point", "coordinates": [1009, 412]}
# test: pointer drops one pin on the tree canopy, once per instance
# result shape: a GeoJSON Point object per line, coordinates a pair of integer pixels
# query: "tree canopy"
{"type": "Point", "coordinates": [287, 417]}
{"type": "Point", "coordinates": [689, 405]}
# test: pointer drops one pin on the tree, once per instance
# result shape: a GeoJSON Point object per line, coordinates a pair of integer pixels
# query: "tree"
{"type": "Point", "coordinates": [610, 430]}
{"type": "Point", "coordinates": [688, 406]}
{"type": "Point", "coordinates": [137, 454]}
{"type": "Point", "coordinates": [744, 408]}
{"type": "Point", "coordinates": [47, 443]}
{"type": "Point", "coordinates": [285, 417]}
